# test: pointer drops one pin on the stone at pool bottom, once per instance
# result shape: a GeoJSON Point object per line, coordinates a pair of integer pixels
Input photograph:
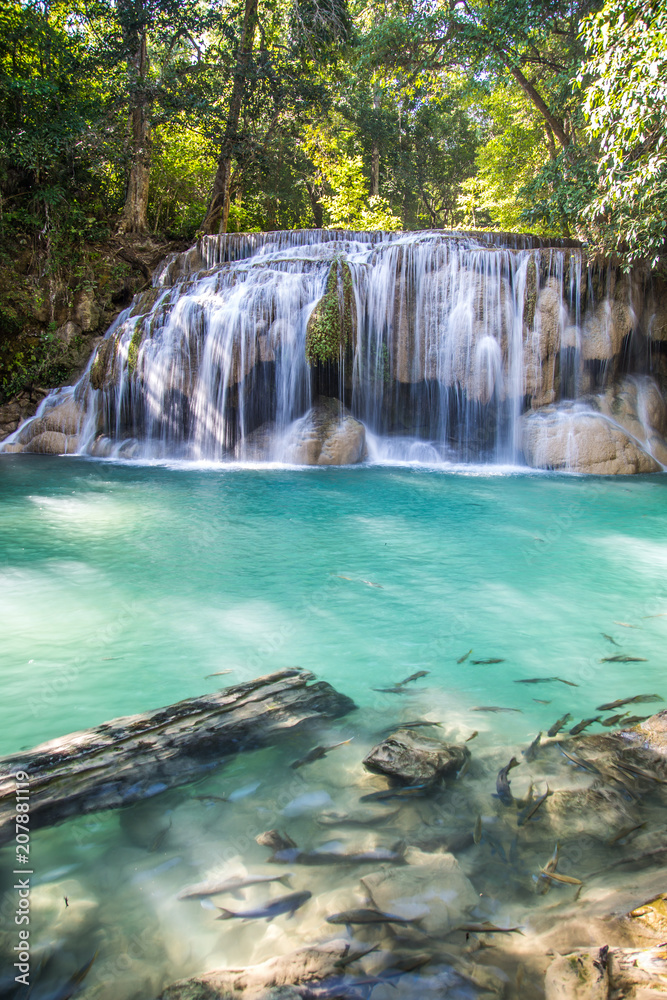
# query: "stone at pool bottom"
{"type": "Point", "coordinates": [414, 759]}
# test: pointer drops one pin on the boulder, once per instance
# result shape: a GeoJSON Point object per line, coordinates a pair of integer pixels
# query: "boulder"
{"type": "Point", "coordinates": [327, 435]}
{"type": "Point", "coordinates": [52, 443]}
{"type": "Point", "coordinates": [637, 404]}
{"type": "Point", "coordinates": [415, 759]}
{"type": "Point", "coordinates": [653, 733]}
{"type": "Point", "coordinates": [605, 329]}
{"type": "Point", "coordinates": [575, 438]}
{"type": "Point", "coordinates": [431, 887]}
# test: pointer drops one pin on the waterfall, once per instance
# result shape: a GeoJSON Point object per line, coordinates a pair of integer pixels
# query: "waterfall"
{"type": "Point", "coordinates": [448, 343]}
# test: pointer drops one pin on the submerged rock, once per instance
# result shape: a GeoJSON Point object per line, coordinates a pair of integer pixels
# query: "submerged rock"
{"type": "Point", "coordinates": [327, 435]}
{"type": "Point", "coordinates": [653, 732]}
{"type": "Point", "coordinates": [431, 887]}
{"type": "Point", "coordinates": [414, 759]}
{"type": "Point", "coordinates": [577, 439]}
{"type": "Point", "coordinates": [600, 973]}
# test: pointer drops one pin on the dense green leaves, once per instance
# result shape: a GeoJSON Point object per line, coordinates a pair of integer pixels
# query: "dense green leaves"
{"type": "Point", "coordinates": [512, 114]}
{"type": "Point", "coordinates": [625, 95]}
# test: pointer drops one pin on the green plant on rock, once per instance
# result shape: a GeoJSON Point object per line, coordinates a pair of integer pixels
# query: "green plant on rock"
{"type": "Point", "coordinates": [133, 349]}
{"type": "Point", "coordinates": [330, 326]}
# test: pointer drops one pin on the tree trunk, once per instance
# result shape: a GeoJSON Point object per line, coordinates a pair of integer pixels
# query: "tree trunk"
{"type": "Point", "coordinates": [217, 214]}
{"type": "Point", "coordinates": [533, 95]}
{"type": "Point", "coordinates": [375, 151]}
{"type": "Point", "coordinates": [316, 205]}
{"type": "Point", "coordinates": [134, 218]}
{"type": "Point", "coordinates": [128, 759]}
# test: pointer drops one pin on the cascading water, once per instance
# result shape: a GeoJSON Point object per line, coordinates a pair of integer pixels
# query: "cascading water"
{"type": "Point", "coordinates": [449, 345]}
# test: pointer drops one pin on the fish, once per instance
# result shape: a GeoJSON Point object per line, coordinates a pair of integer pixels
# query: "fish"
{"type": "Point", "coordinates": [531, 808]}
{"type": "Point", "coordinates": [472, 736]}
{"type": "Point", "coordinates": [368, 916]}
{"type": "Point", "coordinates": [477, 832]}
{"type": "Point", "coordinates": [416, 724]}
{"type": "Point", "coordinates": [71, 987]}
{"type": "Point", "coordinates": [641, 772]}
{"type": "Point", "coordinates": [492, 659]}
{"type": "Point", "coordinates": [546, 680]}
{"type": "Point", "coordinates": [317, 753]}
{"type": "Point", "coordinates": [579, 761]}
{"type": "Point", "coordinates": [369, 583]}
{"type": "Point", "coordinates": [218, 673]}
{"type": "Point", "coordinates": [623, 659]}
{"type": "Point", "coordinates": [406, 792]}
{"type": "Point", "coordinates": [503, 784]}
{"type": "Point", "coordinates": [613, 720]}
{"type": "Point", "coordinates": [494, 708]}
{"type": "Point", "coordinates": [634, 719]}
{"type": "Point", "coordinates": [324, 857]}
{"type": "Point", "coordinates": [557, 877]}
{"type": "Point", "coordinates": [584, 724]}
{"type": "Point", "coordinates": [465, 656]}
{"type": "Point", "coordinates": [625, 832]}
{"type": "Point", "coordinates": [396, 689]}
{"type": "Point", "coordinates": [276, 840]}
{"type": "Point", "coordinates": [368, 818]}
{"type": "Point", "coordinates": [638, 699]}
{"type": "Point", "coordinates": [158, 839]}
{"type": "Point", "coordinates": [543, 882]}
{"type": "Point", "coordinates": [541, 701]}
{"type": "Point", "coordinates": [233, 884]}
{"type": "Point", "coordinates": [609, 638]}
{"type": "Point", "coordinates": [413, 677]}
{"type": "Point", "coordinates": [283, 904]}
{"type": "Point", "coordinates": [210, 798]}
{"type": "Point", "coordinates": [626, 625]}
{"type": "Point", "coordinates": [530, 753]}
{"type": "Point", "coordinates": [557, 726]}
{"type": "Point", "coordinates": [487, 928]}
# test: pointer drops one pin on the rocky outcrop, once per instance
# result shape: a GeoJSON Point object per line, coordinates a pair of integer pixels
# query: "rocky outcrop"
{"type": "Point", "coordinates": [415, 760]}
{"type": "Point", "coordinates": [575, 438]}
{"type": "Point", "coordinates": [327, 435]}
{"type": "Point", "coordinates": [55, 432]}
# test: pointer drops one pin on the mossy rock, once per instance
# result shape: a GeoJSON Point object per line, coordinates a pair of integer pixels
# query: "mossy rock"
{"type": "Point", "coordinates": [133, 349]}
{"type": "Point", "coordinates": [330, 327]}
{"type": "Point", "coordinates": [102, 367]}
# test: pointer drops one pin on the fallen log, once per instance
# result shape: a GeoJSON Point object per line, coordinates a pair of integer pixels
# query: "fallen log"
{"type": "Point", "coordinates": [137, 756]}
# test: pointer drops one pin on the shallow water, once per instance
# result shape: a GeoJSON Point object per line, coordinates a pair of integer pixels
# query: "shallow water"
{"type": "Point", "coordinates": [125, 585]}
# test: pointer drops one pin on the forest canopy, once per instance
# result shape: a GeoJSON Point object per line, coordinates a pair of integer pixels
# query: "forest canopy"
{"type": "Point", "coordinates": [180, 117]}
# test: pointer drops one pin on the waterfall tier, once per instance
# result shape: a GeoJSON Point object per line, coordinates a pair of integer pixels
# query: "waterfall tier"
{"type": "Point", "coordinates": [445, 346]}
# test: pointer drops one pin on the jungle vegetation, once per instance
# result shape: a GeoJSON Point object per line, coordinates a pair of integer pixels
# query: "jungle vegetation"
{"type": "Point", "coordinates": [179, 117]}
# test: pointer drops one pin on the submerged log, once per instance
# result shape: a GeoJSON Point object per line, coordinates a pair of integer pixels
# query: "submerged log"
{"type": "Point", "coordinates": [136, 756]}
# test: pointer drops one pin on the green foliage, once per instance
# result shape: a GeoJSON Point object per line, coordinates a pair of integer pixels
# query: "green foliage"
{"type": "Point", "coordinates": [625, 96]}
{"type": "Point", "coordinates": [40, 361]}
{"type": "Point", "coordinates": [329, 331]}
{"type": "Point", "coordinates": [133, 349]}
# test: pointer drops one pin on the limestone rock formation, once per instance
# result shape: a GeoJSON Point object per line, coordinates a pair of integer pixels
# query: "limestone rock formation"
{"type": "Point", "coordinates": [430, 886]}
{"type": "Point", "coordinates": [653, 733]}
{"type": "Point", "coordinates": [55, 432]}
{"type": "Point", "coordinates": [414, 759]}
{"type": "Point", "coordinates": [327, 435]}
{"type": "Point", "coordinates": [575, 438]}
{"type": "Point", "coordinates": [600, 973]}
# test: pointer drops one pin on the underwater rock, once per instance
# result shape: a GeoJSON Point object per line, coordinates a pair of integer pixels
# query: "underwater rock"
{"type": "Point", "coordinates": [414, 759]}
{"type": "Point", "coordinates": [598, 812]}
{"type": "Point", "coordinates": [600, 973]}
{"type": "Point", "coordinates": [327, 435]}
{"type": "Point", "coordinates": [431, 887]}
{"type": "Point", "coordinates": [273, 979]}
{"type": "Point", "coordinates": [577, 439]}
{"type": "Point", "coordinates": [653, 733]}
{"type": "Point", "coordinates": [137, 756]}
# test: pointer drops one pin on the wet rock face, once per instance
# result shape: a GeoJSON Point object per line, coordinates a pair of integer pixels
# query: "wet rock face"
{"type": "Point", "coordinates": [54, 433]}
{"type": "Point", "coordinates": [576, 439]}
{"type": "Point", "coordinates": [653, 732]}
{"type": "Point", "coordinates": [415, 760]}
{"type": "Point", "coordinates": [327, 435]}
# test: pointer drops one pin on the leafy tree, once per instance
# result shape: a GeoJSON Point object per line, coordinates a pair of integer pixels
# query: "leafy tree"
{"type": "Point", "coordinates": [625, 92]}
